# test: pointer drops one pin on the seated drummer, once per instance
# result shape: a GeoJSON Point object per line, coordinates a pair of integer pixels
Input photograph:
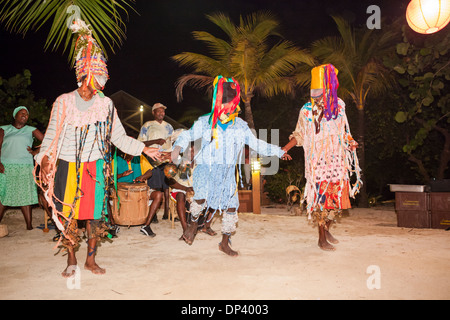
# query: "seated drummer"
{"type": "Point", "coordinates": [156, 133]}
{"type": "Point", "coordinates": [155, 200]}
{"type": "Point", "coordinates": [129, 170]}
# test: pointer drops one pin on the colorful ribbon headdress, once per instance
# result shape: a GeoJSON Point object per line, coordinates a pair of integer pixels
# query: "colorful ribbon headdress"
{"type": "Point", "coordinates": [89, 59]}
{"type": "Point", "coordinates": [324, 79]}
{"type": "Point", "coordinates": [226, 98]}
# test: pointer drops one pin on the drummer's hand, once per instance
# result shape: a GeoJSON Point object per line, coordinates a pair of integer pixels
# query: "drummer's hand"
{"type": "Point", "coordinates": [166, 156]}
{"type": "Point", "coordinates": [152, 153]}
{"type": "Point", "coordinates": [126, 173]}
{"type": "Point", "coordinates": [144, 177]}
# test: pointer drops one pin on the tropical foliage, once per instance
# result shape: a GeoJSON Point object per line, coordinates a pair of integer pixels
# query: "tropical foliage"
{"type": "Point", "coordinates": [423, 68]}
{"type": "Point", "coordinates": [15, 92]}
{"type": "Point", "coordinates": [104, 17]}
{"type": "Point", "coordinates": [253, 53]}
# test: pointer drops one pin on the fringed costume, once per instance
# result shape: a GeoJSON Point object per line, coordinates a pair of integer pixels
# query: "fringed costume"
{"type": "Point", "coordinates": [323, 131]}
{"type": "Point", "coordinates": [77, 144]}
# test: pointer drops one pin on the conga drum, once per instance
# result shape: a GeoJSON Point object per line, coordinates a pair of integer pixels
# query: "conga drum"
{"type": "Point", "coordinates": [130, 204]}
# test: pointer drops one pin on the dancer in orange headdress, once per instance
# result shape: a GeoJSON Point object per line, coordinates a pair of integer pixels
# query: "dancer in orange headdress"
{"type": "Point", "coordinates": [75, 156]}
{"type": "Point", "coordinates": [330, 156]}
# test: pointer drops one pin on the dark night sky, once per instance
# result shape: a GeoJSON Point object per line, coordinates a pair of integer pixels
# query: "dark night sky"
{"type": "Point", "coordinates": [142, 66]}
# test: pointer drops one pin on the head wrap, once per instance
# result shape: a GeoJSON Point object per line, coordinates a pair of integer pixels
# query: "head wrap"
{"type": "Point", "coordinates": [225, 103]}
{"type": "Point", "coordinates": [89, 59]}
{"type": "Point", "coordinates": [324, 82]}
{"type": "Point", "coordinates": [18, 109]}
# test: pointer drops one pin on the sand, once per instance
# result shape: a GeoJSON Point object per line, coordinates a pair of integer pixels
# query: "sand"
{"type": "Point", "coordinates": [279, 260]}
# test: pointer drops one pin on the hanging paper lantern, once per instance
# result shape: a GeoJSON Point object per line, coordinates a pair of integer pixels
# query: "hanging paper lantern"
{"type": "Point", "coordinates": [428, 16]}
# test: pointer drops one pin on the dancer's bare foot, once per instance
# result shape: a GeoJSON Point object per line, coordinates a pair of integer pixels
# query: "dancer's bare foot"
{"type": "Point", "coordinates": [327, 233]}
{"type": "Point", "coordinates": [190, 232]}
{"type": "Point", "coordinates": [330, 238]}
{"type": "Point", "coordinates": [69, 271]}
{"type": "Point", "coordinates": [324, 245]}
{"type": "Point", "coordinates": [94, 268]}
{"type": "Point", "coordinates": [225, 247]}
{"type": "Point", "coordinates": [208, 231]}
{"type": "Point", "coordinates": [227, 250]}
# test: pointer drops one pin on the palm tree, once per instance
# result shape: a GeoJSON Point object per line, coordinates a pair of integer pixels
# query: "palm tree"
{"type": "Point", "coordinates": [357, 54]}
{"type": "Point", "coordinates": [108, 28]}
{"type": "Point", "coordinates": [248, 55]}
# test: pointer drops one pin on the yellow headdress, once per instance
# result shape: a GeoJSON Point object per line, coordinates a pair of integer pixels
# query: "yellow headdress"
{"type": "Point", "coordinates": [324, 82]}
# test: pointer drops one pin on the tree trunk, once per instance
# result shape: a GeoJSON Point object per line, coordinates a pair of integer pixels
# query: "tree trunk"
{"type": "Point", "coordinates": [249, 114]}
{"type": "Point", "coordinates": [445, 154]}
{"type": "Point", "coordinates": [363, 201]}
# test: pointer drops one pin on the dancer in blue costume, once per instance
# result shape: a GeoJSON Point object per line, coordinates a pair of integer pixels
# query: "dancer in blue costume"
{"type": "Point", "coordinates": [223, 136]}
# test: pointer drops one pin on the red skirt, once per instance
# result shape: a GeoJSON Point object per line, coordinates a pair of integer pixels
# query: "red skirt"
{"type": "Point", "coordinates": [334, 195]}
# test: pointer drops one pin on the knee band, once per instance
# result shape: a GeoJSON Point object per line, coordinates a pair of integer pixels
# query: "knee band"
{"type": "Point", "coordinates": [229, 221]}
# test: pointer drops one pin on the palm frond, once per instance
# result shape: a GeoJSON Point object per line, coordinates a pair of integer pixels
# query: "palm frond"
{"type": "Point", "coordinates": [199, 63]}
{"type": "Point", "coordinates": [103, 16]}
{"type": "Point", "coordinates": [249, 55]}
{"type": "Point", "coordinates": [223, 22]}
{"type": "Point", "coordinates": [346, 32]}
{"type": "Point", "coordinates": [195, 81]}
{"type": "Point", "coordinates": [260, 25]}
{"type": "Point", "coordinates": [217, 47]}
{"type": "Point", "coordinates": [357, 55]}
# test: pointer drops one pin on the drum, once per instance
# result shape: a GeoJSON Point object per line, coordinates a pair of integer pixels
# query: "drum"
{"type": "Point", "coordinates": [130, 204]}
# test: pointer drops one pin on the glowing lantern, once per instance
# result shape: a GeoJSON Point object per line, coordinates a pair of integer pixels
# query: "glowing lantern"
{"type": "Point", "coordinates": [428, 16]}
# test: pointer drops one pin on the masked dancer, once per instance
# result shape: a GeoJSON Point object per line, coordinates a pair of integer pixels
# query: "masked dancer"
{"type": "Point", "coordinates": [330, 153]}
{"type": "Point", "coordinates": [223, 137]}
{"type": "Point", "coordinates": [75, 157]}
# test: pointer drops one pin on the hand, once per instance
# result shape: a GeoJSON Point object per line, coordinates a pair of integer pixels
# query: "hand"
{"type": "Point", "coordinates": [286, 156]}
{"type": "Point", "coordinates": [126, 173]}
{"type": "Point", "coordinates": [152, 153]}
{"type": "Point", "coordinates": [46, 168]}
{"type": "Point", "coordinates": [33, 152]}
{"type": "Point", "coordinates": [144, 177]}
{"type": "Point", "coordinates": [166, 156]}
{"type": "Point", "coordinates": [175, 154]}
{"type": "Point", "coordinates": [353, 145]}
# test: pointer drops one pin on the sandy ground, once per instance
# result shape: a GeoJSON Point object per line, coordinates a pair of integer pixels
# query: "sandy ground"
{"type": "Point", "coordinates": [279, 260]}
